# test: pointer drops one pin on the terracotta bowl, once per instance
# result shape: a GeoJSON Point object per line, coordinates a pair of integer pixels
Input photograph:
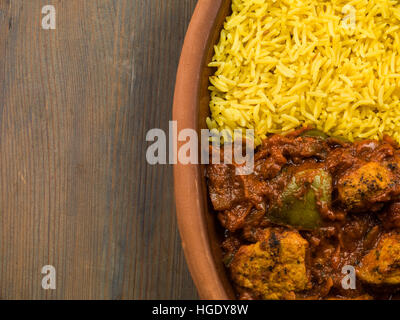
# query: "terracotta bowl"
{"type": "Point", "coordinates": [199, 229]}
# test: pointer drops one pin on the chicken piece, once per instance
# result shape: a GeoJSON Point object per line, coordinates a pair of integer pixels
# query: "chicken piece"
{"type": "Point", "coordinates": [225, 189]}
{"type": "Point", "coordinates": [234, 219]}
{"type": "Point", "coordinates": [274, 267]}
{"type": "Point", "coordinates": [381, 266]}
{"type": "Point", "coordinates": [362, 187]}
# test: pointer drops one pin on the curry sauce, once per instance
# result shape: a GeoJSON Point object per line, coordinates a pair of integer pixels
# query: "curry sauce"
{"type": "Point", "coordinates": [313, 206]}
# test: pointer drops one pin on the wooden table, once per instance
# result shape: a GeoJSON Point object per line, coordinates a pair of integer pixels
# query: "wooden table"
{"type": "Point", "coordinates": [75, 189]}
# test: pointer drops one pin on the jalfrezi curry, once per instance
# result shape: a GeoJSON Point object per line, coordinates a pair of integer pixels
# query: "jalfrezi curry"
{"type": "Point", "coordinates": [313, 205]}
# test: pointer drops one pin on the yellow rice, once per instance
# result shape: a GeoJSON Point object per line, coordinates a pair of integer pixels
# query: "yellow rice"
{"type": "Point", "coordinates": [286, 63]}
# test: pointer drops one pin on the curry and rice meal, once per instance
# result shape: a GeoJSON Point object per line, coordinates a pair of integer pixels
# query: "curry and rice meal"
{"type": "Point", "coordinates": [319, 83]}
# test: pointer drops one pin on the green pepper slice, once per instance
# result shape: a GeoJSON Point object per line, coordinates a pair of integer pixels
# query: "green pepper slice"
{"type": "Point", "coordinates": [298, 206]}
{"type": "Point", "coordinates": [314, 133]}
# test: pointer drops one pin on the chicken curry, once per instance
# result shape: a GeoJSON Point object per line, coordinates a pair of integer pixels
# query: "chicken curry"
{"type": "Point", "coordinates": [314, 206]}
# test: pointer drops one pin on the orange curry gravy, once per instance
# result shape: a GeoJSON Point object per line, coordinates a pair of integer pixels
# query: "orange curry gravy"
{"type": "Point", "coordinates": [363, 208]}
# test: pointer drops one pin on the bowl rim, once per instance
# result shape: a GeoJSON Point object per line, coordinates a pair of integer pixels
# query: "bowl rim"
{"type": "Point", "coordinates": [190, 207]}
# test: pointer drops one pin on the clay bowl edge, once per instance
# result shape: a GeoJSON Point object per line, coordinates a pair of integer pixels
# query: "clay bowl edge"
{"type": "Point", "coordinates": [197, 225]}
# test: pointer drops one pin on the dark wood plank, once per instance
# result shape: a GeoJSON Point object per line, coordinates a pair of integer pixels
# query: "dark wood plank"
{"type": "Point", "coordinates": [75, 190]}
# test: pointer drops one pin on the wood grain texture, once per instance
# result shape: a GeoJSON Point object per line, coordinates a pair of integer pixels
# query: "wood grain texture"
{"type": "Point", "coordinates": [75, 189]}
